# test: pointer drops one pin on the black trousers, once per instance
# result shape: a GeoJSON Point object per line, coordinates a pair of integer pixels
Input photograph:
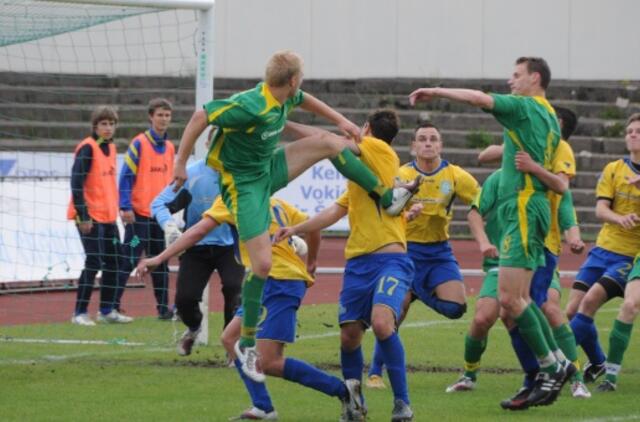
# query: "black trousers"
{"type": "Point", "coordinates": [196, 266]}
{"type": "Point", "coordinates": [102, 250]}
{"type": "Point", "coordinates": [145, 234]}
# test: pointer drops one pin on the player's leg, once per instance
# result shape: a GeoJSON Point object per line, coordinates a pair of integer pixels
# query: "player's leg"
{"type": "Point", "coordinates": [92, 264]}
{"type": "Point", "coordinates": [621, 333]}
{"type": "Point", "coordinates": [303, 153]}
{"type": "Point", "coordinates": [130, 251]}
{"type": "Point", "coordinates": [260, 399]}
{"type": "Point", "coordinates": [109, 244]}
{"type": "Point", "coordinates": [160, 275]}
{"type": "Point", "coordinates": [231, 276]}
{"type": "Point", "coordinates": [193, 276]}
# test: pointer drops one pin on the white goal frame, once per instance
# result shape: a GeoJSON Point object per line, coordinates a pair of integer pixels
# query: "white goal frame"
{"type": "Point", "coordinates": [204, 79]}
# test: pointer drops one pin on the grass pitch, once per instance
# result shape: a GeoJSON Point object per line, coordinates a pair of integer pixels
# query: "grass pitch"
{"type": "Point", "coordinates": [132, 373]}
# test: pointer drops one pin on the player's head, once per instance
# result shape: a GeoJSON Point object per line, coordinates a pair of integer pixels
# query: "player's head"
{"type": "Point", "coordinates": [160, 110]}
{"type": "Point", "coordinates": [382, 124]}
{"type": "Point", "coordinates": [104, 119]}
{"type": "Point", "coordinates": [632, 134]}
{"type": "Point", "coordinates": [530, 75]}
{"type": "Point", "coordinates": [427, 141]}
{"type": "Point", "coordinates": [284, 70]}
{"type": "Point", "coordinates": [568, 121]}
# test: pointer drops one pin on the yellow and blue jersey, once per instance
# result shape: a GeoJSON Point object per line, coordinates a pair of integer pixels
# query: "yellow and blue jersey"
{"type": "Point", "coordinates": [286, 264]}
{"type": "Point", "coordinates": [563, 214]}
{"type": "Point", "coordinates": [437, 192]}
{"type": "Point", "coordinates": [372, 228]}
{"type": "Point", "coordinates": [613, 185]}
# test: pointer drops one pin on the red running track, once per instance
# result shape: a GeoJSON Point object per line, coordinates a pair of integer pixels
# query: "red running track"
{"type": "Point", "coordinates": [30, 308]}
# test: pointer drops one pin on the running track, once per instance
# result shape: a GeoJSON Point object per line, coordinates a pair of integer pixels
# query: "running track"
{"type": "Point", "coordinates": [29, 308]}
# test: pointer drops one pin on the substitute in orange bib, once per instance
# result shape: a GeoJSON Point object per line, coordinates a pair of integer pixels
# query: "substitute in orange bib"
{"type": "Point", "coordinates": [94, 208]}
{"type": "Point", "coordinates": [147, 169]}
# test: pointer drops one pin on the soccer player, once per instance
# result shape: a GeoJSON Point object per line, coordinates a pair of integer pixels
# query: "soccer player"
{"type": "Point", "coordinates": [286, 285]}
{"type": "Point", "coordinates": [604, 274]}
{"type": "Point", "coordinates": [378, 271]}
{"type": "Point", "coordinates": [530, 126]}
{"type": "Point", "coordinates": [244, 152]}
{"type": "Point", "coordinates": [94, 208]}
{"type": "Point", "coordinates": [146, 170]}
{"type": "Point", "coordinates": [438, 281]}
{"type": "Point", "coordinates": [214, 252]}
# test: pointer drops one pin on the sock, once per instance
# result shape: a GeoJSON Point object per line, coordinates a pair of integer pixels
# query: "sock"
{"type": "Point", "coordinates": [105, 310]}
{"type": "Point", "coordinates": [532, 333]}
{"type": "Point", "coordinates": [473, 350]}
{"type": "Point", "coordinates": [257, 390]}
{"type": "Point", "coordinates": [525, 356]}
{"type": "Point", "coordinates": [353, 169]}
{"type": "Point", "coordinates": [376, 361]}
{"type": "Point", "coordinates": [587, 337]}
{"type": "Point", "coordinates": [452, 310]}
{"type": "Point", "coordinates": [251, 304]}
{"type": "Point", "coordinates": [310, 376]}
{"type": "Point", "coordinates": [352, 364]}
{"type": "Point", "coordinates": [618, 343]}
{"type": "Point", "coordinates": [393, 356]}
{"type": "Point", "coordinates": [545, 327]}
{"type": "Point", "coordinates": [567, 343]}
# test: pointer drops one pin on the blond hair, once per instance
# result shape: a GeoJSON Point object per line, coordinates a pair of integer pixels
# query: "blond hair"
{"type": "Point", "coordinates": [281, 67]}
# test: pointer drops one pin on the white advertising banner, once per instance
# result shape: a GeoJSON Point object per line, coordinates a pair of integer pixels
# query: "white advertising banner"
{"type": "Point", "coordinates": [38, 243]}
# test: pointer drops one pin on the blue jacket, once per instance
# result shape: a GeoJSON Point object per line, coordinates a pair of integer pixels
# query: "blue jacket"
{"type": "Point", "coordinates": [195, 197]}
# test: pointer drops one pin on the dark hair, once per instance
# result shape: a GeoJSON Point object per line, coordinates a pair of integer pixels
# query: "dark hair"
{"type": "Point", "coordinates": [569, 121]}
{"type": "Point", "coordinates": [635, 117]}
{"type": "Point", "coordinates": [384, 124]}
{"type": "Point", "coordinates": [103, 112]}
{"type": "Point", "coordinates": [537, 65]}
{"type": "Point", "coordinates": [425, 125]}
{"type": "Point", "coordinates": [157, 103]}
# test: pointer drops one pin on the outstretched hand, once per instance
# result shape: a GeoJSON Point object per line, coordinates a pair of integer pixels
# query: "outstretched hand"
{"type": "Point", "coordinates": [179, 175]}
{"type": "Point", "coordinates": [145, 266]}
{"type": "Point", "coordinates": [350, 130]}
{"type": "Point", "coordinates": [422, 94]}
{"type": "Point", "coordinates": [283, 233]}
{"type": "Point", "coordinates": [413, 212]}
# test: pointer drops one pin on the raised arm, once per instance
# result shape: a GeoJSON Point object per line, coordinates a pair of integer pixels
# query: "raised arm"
{"type": "Point", "coordinates": [491, 154]}
{"type": "Point", "coordinates": [315, 106]}
{"type": "Point", "coordinates": [323, 219]}
{"type": "Point", "coordinates": [469, 96]}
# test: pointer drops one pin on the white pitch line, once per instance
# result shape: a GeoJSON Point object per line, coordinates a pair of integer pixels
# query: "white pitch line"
{"type": "Point", "coordinates": [63, 341]}
{"type": "Point", "coordinates": [417, 324]}
{"type": "Point", "coordinates": [633, 417]}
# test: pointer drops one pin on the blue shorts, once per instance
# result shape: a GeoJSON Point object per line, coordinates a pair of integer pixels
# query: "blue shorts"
{"type": "Point", "coordinates": [434, 264]}
{"type": "Point", "coordinates": [280, 302]}
{"type": "Point", "coordinates": [542, 278]}
{"type": "Point", "coordinates": [602, 263]}
{"type": "Point", "coordinates": [374, 279]}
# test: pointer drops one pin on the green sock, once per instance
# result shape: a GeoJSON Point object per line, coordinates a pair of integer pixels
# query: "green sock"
{"type": "Point", "coordinates": [532, 333]}
{"type": "Point", "coordinates": [251, 303]}
{"type": "Point", "coordinates": [473, 350]}
{"type": "Point", "coordinates": [567, 343]}
{"type": "Point", "coordinates": [545, 327]}
{"type": "Point", "coordinates": [618, 343]}
{"type": "Point", "coordinates": [353, 169]}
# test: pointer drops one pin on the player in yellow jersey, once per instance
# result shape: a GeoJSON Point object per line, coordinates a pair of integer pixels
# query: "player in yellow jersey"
{"type": "Point", "coordinates": [603, 275]}
{"type": "Point", "coordinates": [286, 285]}
{"type": "Point", "coordinates": [378, 271]}
{"type": "Point", "coordinates": [530, 126]}
{"type": "Point", "coordinates": [438, 280]}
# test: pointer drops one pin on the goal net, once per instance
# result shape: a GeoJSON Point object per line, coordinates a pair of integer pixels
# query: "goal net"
{"type": "Point", "coordinates": [58, 62]}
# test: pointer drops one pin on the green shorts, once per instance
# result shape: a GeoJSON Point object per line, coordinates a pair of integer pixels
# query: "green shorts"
{"type": "Point", "coordinates": [635, 270]}
{"type": "Point", "coordinates": [490, 284]}
{"type": "Point", "coordinates": [555, 282]}
{"type": "Point", "coordinates": [526, 223]}
{"type": "Point", "coordinates": [247, 196]}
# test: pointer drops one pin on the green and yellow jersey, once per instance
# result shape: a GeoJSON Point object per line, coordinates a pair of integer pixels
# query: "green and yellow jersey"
{"type": "Point", "coordinates": [249, 127]}
{"type": "Point", "coordinates": [286, 264]}
{"type": "Point", "coordinates": [371, 228]}
{"type": "Point", "coordinates": [487, 204]}
{"type": "Point", "coordinates": [437, 192]}
{"type": "Point", "coordinates": [625, 199]}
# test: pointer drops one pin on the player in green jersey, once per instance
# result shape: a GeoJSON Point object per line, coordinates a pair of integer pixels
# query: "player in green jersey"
{"type": "Point", "coordinates": [530, 125]}
{"type": "Point", "coordinates": [251, 168]}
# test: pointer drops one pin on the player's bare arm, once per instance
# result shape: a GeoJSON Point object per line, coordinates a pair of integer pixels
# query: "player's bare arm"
{"type": "Point", "coordinates": [323, 219]}
{"type": "Point", "coordinates": [606, 214]}
{"type": "Point", "coordinates": [491, 154]}
{"type": "Point", "coordinates": [469, 96]}
{"type": "Point", "coordinates": [197, 124]}
{"type": "Point", "coordinates": [315, 106]}
{"type": "Point", "coordinates": [476, 224]}
{"type": "Point", "coordinates": [558, 183]}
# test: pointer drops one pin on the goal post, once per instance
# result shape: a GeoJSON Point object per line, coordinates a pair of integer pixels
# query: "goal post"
{"type": "Point", "coordinates": [49, 19]}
